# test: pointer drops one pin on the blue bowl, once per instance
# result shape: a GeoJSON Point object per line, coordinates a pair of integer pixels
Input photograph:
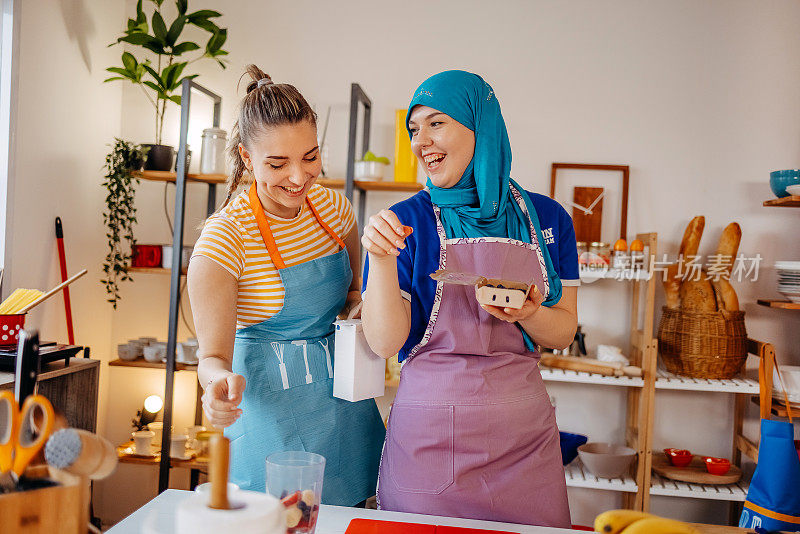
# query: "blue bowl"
{"type": "Point", "coordinates": [778, 180]}
{"type": "Point", "coordinates": [569, 445]}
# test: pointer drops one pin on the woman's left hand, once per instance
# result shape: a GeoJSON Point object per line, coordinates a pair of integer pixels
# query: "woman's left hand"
{"type": "Point", "coordinates": [353, 302]}
{"type": "Point", "coordinates": [512, 315]}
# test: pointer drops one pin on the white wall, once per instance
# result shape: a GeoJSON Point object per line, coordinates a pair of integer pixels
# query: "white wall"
{"type": "Point", "coordinates": [65, 119]}
{"type": "Point", "coordinates": [698, 98]}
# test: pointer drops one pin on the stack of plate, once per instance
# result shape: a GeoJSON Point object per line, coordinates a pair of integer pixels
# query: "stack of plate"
{"type": "Point", "coordinates": [789, 279]}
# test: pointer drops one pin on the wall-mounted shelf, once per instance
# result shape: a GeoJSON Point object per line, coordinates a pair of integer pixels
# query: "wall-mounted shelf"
{"type": "Point", "coordinates": [785, 202]}
{"type": "Point", "coordinates": [362, 185]}
{"type": "Point", "coordinates": [198, 462]}
{"type": "Point", "coordinates": [144, 364]}
{"type": "Point", "coordinates": [154, 270]}
{"type": "Point", "coordinates": [168, 176]}
{"type": "Point", "coordinates": [783, 304]}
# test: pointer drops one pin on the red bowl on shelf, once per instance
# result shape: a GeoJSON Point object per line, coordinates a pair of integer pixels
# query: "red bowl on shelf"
{"type": "Point", "coordinates": [717, 466]}
{"type": "Point", "coordinates": [679, 457]}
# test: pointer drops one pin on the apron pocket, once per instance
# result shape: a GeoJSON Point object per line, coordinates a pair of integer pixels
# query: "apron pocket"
{"type": "Point", "coordinates": [420, 447]}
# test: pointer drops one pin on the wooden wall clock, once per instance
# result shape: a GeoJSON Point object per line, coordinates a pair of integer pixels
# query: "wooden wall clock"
{"type": "Point", "coordinates": [589, 204]}
{"type": "Point", "coordinates": [587, 213]}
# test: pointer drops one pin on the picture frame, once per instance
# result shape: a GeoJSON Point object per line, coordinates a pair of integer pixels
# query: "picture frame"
{"type": "Point", "coordinates": [572, 181]}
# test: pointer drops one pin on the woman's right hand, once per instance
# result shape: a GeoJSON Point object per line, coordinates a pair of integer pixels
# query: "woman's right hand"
{"type": "Point", "coordinates": [384, 234]}
{"type": "Point", "coordinates": [221, 399]}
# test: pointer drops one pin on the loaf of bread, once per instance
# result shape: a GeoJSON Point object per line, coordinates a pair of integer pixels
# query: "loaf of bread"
{"type": "Point", "coordinates": [698, 295]}
{"type": "Point", "coordinates": [725, 295]}
{"type": "Point", "coordinates": [672, 287]}
{"type": "Point", "coordinates": [691, 237]}
{"type": "Point", "coordinates": [727, 249]}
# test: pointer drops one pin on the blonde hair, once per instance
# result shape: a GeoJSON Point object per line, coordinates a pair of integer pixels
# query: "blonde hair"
{"type": "Point", "coordinates": [266, 104]}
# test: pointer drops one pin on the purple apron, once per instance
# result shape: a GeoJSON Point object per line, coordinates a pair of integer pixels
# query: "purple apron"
{"type": "Point", "coordinates": [472, 433]}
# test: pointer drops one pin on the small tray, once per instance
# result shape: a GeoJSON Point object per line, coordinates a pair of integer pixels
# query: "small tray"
{"type": "Point", "coordinates": [48, 352]}
{"type": "Point", "coordinates": [694, 473]}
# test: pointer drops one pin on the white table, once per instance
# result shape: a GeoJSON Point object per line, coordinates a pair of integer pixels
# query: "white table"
{"type": "Point", "coordinates": [332, 519]}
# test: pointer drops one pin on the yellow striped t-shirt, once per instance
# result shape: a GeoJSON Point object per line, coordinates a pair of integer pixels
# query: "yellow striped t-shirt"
{"type": "Point", "coordinates": [231, 239]}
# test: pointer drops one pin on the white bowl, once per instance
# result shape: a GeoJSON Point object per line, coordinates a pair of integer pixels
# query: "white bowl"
{"type": "Point", "coordinates": [126, 352]}
{"type": "Point", "coordinates": [606, 460]}
{"type": "Point", "coordinates": [791, 378]}
{"type": "Point", "coordinates": [369, 170]}
{"type": "Point", "coordinates": [793, 189]}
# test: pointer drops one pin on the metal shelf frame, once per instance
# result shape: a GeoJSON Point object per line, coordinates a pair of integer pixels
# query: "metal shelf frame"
{"type": "Point", "coordinates": [181, 178]}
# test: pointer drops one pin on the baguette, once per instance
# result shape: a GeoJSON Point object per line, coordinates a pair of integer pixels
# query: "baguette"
{"type": "Point", "coordinates": [672, 287]}
{"type": "Point", "coordinates": [727, 248]}
{"type": "Point", "coordinates": [698, 295]}
{"type": "Point", "coordinates": [725, 295]}
{"type": "Point", "coordinates": [691, 237]}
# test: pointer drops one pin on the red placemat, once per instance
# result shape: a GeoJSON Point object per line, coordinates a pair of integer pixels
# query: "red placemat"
{"type": "Point", "coordinates": [372, 526]}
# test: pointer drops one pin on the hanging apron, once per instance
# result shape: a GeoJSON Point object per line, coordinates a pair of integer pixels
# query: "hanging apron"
{"type": "Point", "coordinates": [288, 402]}
{"type": "Point", "coordinates": [472, 432]}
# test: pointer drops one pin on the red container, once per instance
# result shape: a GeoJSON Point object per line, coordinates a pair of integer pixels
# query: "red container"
{"type": "Point", "coordinates": [679, 457]}
{"type": "Point", "coordinates": [717, 466]}
{"type": "Point", "coordinates": [10, 325]}
{"type": "Point", "coordinates": [146, 256]}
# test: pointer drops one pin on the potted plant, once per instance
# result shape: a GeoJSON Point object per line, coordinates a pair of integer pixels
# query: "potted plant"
{"type": "Point", "coordinates": [159, 71]}
{"type": "Point", "coordinates": [120, 213]}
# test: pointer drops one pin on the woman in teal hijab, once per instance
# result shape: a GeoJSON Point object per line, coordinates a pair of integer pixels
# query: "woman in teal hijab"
{"type": "Point", "coordinates": [469, 370]}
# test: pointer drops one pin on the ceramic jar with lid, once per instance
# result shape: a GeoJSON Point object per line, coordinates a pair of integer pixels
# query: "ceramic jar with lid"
{"type": "Point", "coordinates": [212, 154]}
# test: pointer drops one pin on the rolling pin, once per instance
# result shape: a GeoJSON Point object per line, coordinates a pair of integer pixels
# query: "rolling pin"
{"type": "Point", "coordinates": [590, 365]}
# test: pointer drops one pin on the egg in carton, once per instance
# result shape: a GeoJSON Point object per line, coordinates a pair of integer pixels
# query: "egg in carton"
{"type": "Point", "coordinates": [489, 291]}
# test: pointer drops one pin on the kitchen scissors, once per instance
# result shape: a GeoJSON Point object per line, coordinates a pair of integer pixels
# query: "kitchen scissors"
{"type": "Point", "coordinates": [23, 431]}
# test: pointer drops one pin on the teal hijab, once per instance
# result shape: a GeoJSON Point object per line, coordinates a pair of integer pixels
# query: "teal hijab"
{"type": "Point", "coordinates": [481, 203]}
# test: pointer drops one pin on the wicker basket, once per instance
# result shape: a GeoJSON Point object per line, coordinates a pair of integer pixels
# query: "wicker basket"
{"type": "Point", "coordinates": [702, 345]}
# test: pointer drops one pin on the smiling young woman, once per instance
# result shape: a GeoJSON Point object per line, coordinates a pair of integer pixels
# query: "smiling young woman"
{"type": "Point", "coordinates": [471, 432]}
{"type": "Point", "coordinates": [268, 276]}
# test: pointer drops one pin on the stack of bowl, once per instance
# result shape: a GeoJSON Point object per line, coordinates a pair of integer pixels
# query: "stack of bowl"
{"type": "Point", "coordinates": [789, 279]}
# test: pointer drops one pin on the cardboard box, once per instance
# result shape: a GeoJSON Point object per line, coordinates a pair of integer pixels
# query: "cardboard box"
{"type": "Point", "coordinates": [358, 373]}
{"type": "Point", "coordinates": [489, 291]}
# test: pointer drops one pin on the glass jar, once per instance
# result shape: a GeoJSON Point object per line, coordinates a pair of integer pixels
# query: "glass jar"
{"type": "Point", "coordinates": [583, 253]}
{"type": "Point", "coordinates": [212, 154]}
{"type": "Point", "coordinates": [599, 253]}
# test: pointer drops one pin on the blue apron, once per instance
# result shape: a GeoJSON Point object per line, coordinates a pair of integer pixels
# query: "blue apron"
{"type": "Point", "coordinates": [288, 401]}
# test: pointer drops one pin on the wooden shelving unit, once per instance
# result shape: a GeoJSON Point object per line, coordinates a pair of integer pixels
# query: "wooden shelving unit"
{"type": "Point", "coordinates": [782, 304]}
{"type": "Point", "coordinates": [640, 390]}
{"type": "Point", "coordinates": [785, 202]}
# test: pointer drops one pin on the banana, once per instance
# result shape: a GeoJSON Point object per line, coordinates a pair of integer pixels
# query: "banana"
{"type": "Point", "coordinates": [659, 525]}
{"type": "Point", "coordinates": [613, 521]}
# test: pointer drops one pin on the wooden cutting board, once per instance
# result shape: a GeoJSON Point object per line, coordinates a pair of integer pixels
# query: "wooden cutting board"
{"type": "Point", "coordinates": [694, 473]}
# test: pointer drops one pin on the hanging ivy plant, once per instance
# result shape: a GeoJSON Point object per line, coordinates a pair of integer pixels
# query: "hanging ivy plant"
{"type": "Point", "coordinates": [120, 213]}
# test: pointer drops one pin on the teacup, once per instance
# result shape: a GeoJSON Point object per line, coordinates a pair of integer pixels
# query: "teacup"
{"type": "Point", "coordinates": [187, 352]}
{"type": "Point", "coordinates": [177, 448]}
{"type": "Point", "coordinates": [147, 340]}
{"type": "Point", "coordinates": [142, 441]}
{"type": "Point", "coordinates": [155, 352]}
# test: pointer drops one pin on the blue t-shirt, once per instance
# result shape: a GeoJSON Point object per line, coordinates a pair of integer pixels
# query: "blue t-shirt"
{"type": "Point", "coordinates": [421, 256]}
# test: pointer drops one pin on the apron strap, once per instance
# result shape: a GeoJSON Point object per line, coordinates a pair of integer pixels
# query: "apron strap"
{"type": "Point", "coordinates": [266, 232]}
